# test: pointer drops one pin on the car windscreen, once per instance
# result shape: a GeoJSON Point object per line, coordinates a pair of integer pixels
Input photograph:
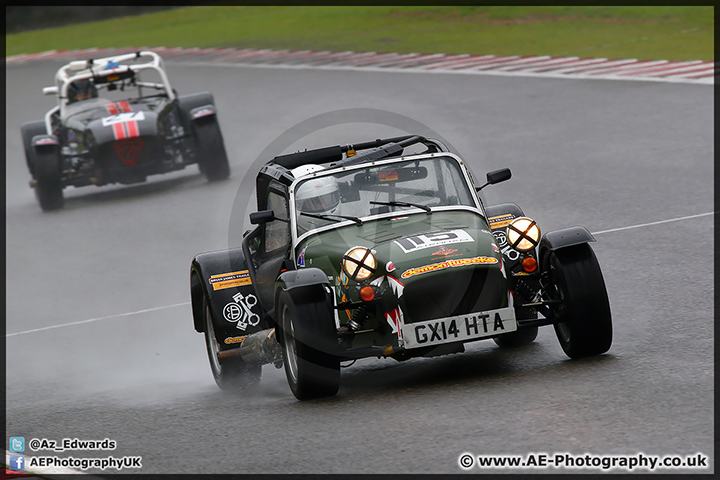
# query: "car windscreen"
{"type": "Point", "coordinates": [431, 182]}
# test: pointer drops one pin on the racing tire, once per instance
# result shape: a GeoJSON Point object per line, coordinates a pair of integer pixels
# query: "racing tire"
{"type": "Point", "coordinates": [48, 177]}
{"type": "Point", "coordinates": [28, 131]}
{"type": "Point", "coordinates": [212, 161]}
{"type": "Point", "coordinates": [233, 374]}
{"type": "Point", "coordinates": [585, 326]}
{"type": "Point", "coordinates": [519, 338]}
{"type": "Point", "coordinates": [312, 371]}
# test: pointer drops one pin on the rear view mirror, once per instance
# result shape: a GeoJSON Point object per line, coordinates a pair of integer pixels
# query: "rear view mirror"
{"type": "Point", "coordinates": [496, 176]}
{"type": "Point", "coordinates": [263, 216]}
{"type": "Point", "coordinates": [50, 91]}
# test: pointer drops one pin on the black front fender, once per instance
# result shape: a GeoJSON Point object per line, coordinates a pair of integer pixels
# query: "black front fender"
{"type": "Point", "coordinates": [224, 279]}
{"type": "Point", "coordinates": [562, 238]}
{"type": "Point", "coordinates": [304, 285]}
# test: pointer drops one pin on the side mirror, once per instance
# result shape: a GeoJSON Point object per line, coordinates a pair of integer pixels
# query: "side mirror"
{"type": "Point", "coordinates": [496, 176]}
{"type": "Point", "coordinates": [50, 91]}
{"type": "Point", "coordinates": [263, 216]}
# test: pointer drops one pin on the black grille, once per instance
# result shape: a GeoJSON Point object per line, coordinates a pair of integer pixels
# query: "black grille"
{"type": "Point", "coordinates": [454, 292]}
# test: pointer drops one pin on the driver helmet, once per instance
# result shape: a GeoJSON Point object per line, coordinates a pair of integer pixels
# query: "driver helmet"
{"type": "Point", "coordinates": [81, 90]}
{"type": "Point", "coordinates": [319, 196]}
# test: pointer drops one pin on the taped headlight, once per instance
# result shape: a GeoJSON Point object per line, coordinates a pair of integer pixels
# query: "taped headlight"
{"type": "Point", "coordinates": [359, 263]}
{"type": "Point", "coordinates": [523, 234]}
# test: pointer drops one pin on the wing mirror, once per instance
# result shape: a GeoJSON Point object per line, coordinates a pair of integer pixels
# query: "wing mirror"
{"type": "Point", "coordinates": [496, 176]}
{"type": "Point", "coordinates": [261, 217]}
{"type": "Point", "coordinates": [50, 90]}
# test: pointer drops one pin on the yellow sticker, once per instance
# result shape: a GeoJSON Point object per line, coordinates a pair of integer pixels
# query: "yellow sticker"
{"type": "Point", "coordinates": [500, 221]}
{"type": "Point", "coordinates": [448, 264]}
{"type": "Point", "coordinates": [231, 340]}
{"type": "Point", "coordinates": [229, 280]}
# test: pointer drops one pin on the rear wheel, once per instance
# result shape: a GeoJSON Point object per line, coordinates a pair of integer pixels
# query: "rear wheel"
{"type": "Point", "coordinates": [212, 161]}
{"type": "Point", "coordinates": [233, 373]}
{"type": "Point", "coordinates": [48, 176]}
{"type": "Point", "coordinates": [308, 335]}
{"type": "Point", "coordinates": [585, 326]}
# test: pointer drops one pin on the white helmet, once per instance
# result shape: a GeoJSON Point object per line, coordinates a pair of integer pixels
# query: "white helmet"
{"type": "Point", "coordinates": [319, 196]}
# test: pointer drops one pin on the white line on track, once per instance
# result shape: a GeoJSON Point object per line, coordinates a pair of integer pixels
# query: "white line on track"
{"type": "Point", "coordinates": [654, 223]}
{"type": "Point", "coordinates": [108, 317]}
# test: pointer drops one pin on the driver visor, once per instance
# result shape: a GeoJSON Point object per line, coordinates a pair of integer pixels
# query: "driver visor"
{"type": "Point", "coordinates": [323, 203]}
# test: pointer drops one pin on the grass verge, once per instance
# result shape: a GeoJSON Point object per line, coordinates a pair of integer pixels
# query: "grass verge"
{"type": "Point", "coordinates": [668, 33]}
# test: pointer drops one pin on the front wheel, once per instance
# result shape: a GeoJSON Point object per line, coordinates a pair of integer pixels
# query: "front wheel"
{"type": "Point", "coordinates": [48, 179]}
{"type": "Point", "coordinates": [308, 333]}
{"type": "Point", "coordinates": [212, 161]}
{"type": "Point", "coordinates": [585, 326]}
{"type": "Point", "coordinates": [231, 374]}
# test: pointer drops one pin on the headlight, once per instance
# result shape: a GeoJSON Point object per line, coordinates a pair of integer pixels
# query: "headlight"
{"type": "Point", "coordinates": [523, 234]}
{"type": "Point", "coordinates": [359, 263]}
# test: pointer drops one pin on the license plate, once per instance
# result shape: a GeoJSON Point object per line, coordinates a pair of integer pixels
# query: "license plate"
{"type": "Point", "coordinates": [459, 328]}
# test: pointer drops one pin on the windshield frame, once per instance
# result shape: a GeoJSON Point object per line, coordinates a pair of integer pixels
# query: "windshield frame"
{"type": "Point", "coordinates": [476, 208]}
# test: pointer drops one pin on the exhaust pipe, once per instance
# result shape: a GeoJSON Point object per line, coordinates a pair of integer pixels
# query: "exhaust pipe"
{"type": "Point", "coordinates": [258, 348]}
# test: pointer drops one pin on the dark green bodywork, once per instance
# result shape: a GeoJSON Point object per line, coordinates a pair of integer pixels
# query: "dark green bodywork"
{"type": "Point", "coordinates": [460, 277]}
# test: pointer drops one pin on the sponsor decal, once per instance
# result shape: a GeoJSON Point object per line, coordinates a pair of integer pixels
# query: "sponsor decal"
{"type": "Point", "coordinates": [129, 150]}
{"type": "Point", "coordinates": [507, 250]}
{"type": "Point", "coordinates": [445, 251]}
{"type": "Point", "coordinates": [240, 311]}
{"type": "Point", "coordinates": [396, 319]}
{"type": "Point", "coordinates": [46, 141]}
{"type": "Point", "coordinates": [448, 264]}
{"type": "Point", "coordinates": [229, 280]}
{"type": "Point", "coordinates": [518, 274]}
{"type": "Point", "coordinates": [203, 113]}
{"type": "Point", "coordinates": [500, 221]}
{"type": "Point", "coordinates": [121, 117]}
{"type": "Point", "coordinates": [390, 266]}
{"type": "Point", "coordinates": [112, 78]}
{"type": "Point", "coordinates": [231, 340]}
{"type": "Point", "coordinates": [301, 258]}
{"type": "Point", "coordinates": [396, 219]}
{"type": "Point", "coordinates": [389, 177]}
{"type": "Point", "coordinates": [434, 239]}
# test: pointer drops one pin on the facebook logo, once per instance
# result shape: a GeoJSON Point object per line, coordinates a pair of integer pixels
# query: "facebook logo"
{"type": "Point", "coordinates": [17, 444]}
{"type": "Point", "coordinates": [17, 462]}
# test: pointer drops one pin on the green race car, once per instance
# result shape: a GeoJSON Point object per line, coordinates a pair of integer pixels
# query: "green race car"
{"type": "Point", "coordinates": [376, 250]}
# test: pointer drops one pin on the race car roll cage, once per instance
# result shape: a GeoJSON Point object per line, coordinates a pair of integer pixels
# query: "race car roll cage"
{"type": "Point", "coordinates": [101, 71]}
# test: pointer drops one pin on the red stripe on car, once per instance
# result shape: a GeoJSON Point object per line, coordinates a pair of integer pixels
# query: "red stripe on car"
{"type": "Point", "coordinates": [119, 131]}
{"type": "Point", "coordinates": [112, 109]}
{"type": "Point", "coordinates": [132, 128]}
{"type": "Point", "coordinates": [125, 106]}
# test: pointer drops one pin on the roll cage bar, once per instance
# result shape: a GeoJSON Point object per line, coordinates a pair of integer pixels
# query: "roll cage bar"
{"type": "Point", "coordinates": [338, 156]}
{"type": "Point", "coordinates": [102, 71]}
